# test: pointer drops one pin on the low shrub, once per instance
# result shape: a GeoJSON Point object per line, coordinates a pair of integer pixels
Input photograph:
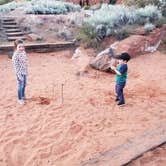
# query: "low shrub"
{"type": "Point", "coordinates": [149, 13]}
{"type": "Point", "coordinates": [88, 36]}
{"type": "Point", "coordinates": [160, 22]}
{"type": "Point", "coordinates": [41, 7]}
{"type": "Point", "coordinates": [115, 20]}
{"type": "Point", "coordinates": [52, 7]}
{"type": "Point", "coordinates": [124, 31]}
{"type": "Point", "coordinates": [149, 27]}
{"type": "Point", "coordinates": [4, 1]}
{"type": "Point", "coordinates": [161, 4]}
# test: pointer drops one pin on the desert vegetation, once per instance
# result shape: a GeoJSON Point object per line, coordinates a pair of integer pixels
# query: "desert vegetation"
{"type": "Point", "coordinates": [118, 21]}
{"type": "Point", "coordinates": [41, 7]}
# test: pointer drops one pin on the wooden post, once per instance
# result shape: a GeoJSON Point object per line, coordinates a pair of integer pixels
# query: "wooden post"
{"type": "Point", "coordinates": [62, 97]}
{"type": "Point", "coordinates": [53, 91]}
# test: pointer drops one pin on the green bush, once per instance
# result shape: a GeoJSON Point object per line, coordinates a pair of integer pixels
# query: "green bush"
{"type": "Point", "coordinates": [88, 36]}
{"type": "Point", "coordinates": [86, 7]}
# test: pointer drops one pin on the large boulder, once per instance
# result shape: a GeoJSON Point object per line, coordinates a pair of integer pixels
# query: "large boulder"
{"type": "Point", "coordinates": [138, 44]}
{"type": "Point", "coordinates": [104, 60]}
{"type": "Point", "coordinates": [133, 45]}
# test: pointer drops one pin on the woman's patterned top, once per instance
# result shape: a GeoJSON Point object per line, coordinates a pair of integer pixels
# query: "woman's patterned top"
{"type": "Point", "coordinates": [20, 63]}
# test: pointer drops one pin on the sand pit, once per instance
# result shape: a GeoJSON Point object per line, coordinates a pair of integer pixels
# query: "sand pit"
{"type": "Point", "coordinates": [46, 133]}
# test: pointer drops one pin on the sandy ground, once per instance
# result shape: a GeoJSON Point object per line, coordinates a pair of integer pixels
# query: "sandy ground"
{"type": "Point", "coordinates": [46, 133]}
{"type": "Point", "coordinates": [156, 157]}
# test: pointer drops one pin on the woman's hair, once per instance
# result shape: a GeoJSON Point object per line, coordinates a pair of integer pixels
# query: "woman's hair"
{"type": "Point", "coordinates": [17, 42]}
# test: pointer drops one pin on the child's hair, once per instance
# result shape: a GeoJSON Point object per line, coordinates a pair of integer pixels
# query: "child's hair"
{"type": "Point", "coordinates": [124, 56]}
{"type": "Point", "coordinates": [17, 42]}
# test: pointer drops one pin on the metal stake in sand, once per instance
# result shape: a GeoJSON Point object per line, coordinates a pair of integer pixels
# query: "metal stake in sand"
{"type": "Point", "coordinates": [62, 97]}
{"type": "Point", "coordinates": [97, 74]}
{"type": "Point", "coordinates": [53, 91]}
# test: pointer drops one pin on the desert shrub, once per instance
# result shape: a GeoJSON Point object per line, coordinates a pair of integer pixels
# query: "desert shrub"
{"type": "Point", "coordinates": [163, 8]}
{"type": "Point", "coordinates": [148, 14]}
{"type": "Point", "coordinates": [163, 46]}
{"type": "Point", "coordinates": [112, 2]}
{"type": "Point", "coordinates": [161, 4]}
{"type": "Point", "coordinates": [65, 34]}
{"type": "Point", "coordinates": [142, 3]}
{"type": "Point", "coordinates": [86, 7]}
{"type": "Point", "coordinates": [164, 41]}
{"type": "Point", "coordinates": [52, 7]}
{"type": "Point", "coordinates": [120, 33]}
{"type": "Point", "coordinates": [124, 31]}
{"type": "Point", "coordinates": [11, 6]}
{"type": "Point", "coordinates": [115, 20]}
{"type": "Point", "coordinates": [114, 16]}
{"type": "Point", "coordinates": [149, 27]}
{"type": "Point", "coordinates": [4, 1]}
{"type": "Point", "coordinates": [41, 7]}
{"type": "Point", "coordinates": [88, 36]}
{"type": "Point", "coordinates": [160, 22]}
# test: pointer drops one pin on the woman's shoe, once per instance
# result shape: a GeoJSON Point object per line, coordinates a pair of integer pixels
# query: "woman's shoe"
{"type": "Point", "coordinates": [21, 102]}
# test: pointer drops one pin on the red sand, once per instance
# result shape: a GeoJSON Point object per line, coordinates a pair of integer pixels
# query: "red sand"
{"type": "Point", "coordinates": [45, 133]}
{"type": "Point", "coordinates": [156, 157]}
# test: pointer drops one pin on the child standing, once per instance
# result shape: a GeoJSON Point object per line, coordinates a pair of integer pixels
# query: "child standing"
{"type": "Point", "coordinates": [19, 59]}
{"type": "Point", "coordinates": [121, 76]}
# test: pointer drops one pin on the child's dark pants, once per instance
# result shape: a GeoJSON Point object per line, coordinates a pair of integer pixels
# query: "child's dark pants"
{"type": "Point", "coordinates": [119, 91]}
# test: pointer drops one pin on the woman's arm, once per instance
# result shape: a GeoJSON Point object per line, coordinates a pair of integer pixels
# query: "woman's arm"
{"type": "Point", "coordinates": [16, 65]}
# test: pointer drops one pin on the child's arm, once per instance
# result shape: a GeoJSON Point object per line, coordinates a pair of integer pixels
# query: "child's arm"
{"type": "Point", "coordinates": [116, 71]}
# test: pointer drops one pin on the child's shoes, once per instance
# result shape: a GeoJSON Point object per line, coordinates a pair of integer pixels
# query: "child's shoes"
{"type": "Point", "coordinates": [121, 103]}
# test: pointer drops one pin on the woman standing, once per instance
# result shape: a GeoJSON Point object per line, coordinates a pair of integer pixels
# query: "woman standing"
{"type": "Point", "coordinates": [19, 59]}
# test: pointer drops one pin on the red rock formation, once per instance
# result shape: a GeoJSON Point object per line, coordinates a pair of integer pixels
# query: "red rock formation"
{"type": "Point", "coordinates": [138, 44]}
